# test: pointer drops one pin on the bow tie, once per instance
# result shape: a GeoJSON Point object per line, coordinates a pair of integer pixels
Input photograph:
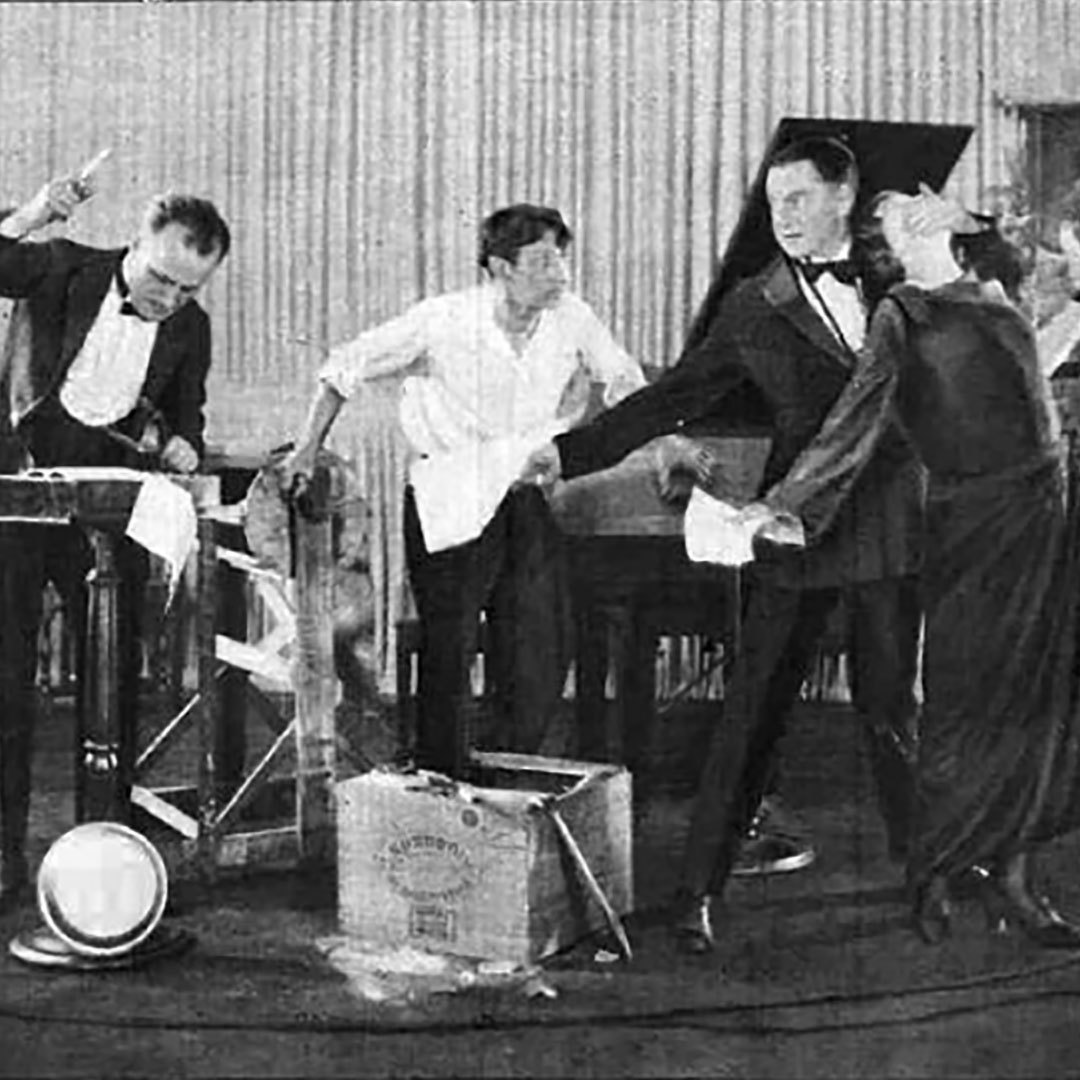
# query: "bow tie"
{"type": "Point", "coordinates": [128, 308]}
{"type": "Point", "coordinates": [844, 270]}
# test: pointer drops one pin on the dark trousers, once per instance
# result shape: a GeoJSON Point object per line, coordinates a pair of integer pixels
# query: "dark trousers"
{"type": "Point", "coordinates": [515, 573]}
{"type": "Point", "coordinates": [30, 557]}
{"type": "Point", "coordinates": [781, 632]}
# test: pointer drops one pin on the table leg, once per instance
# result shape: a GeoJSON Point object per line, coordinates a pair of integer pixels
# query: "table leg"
{"type": "Point", "coordinates": [230, 739]}
{"type": "Point", "coordinates": [590, 675]}
{"type": "Point", "coordinates": [317, 687]}
{"type": "Point", "coordinates": [103, 785]}
{"type": "Point", "coordinates": [637, 694]}
{"type": "Point", "coordinates": [209, 715]}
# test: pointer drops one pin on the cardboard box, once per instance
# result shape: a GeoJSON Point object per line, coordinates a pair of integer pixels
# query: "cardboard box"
{"type": "Point", "coordinates": [481, 870]}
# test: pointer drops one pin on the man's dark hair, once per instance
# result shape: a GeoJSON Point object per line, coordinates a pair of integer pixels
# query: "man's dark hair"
{"type": "Point", "coordinates": [206, 230]}
{"type": "Point", "coordinates": [833, 159]}
{"type": "Point", "coordinates": [504, 233]}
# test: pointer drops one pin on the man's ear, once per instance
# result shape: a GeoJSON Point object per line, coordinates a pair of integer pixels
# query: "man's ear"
{"type": "Point", "coordinates": [845, 194]}
{"type": "Point", "coordinates": [498, 267]}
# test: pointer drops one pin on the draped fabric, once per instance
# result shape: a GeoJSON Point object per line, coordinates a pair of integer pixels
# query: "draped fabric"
{"type": "Point", "coordinates": [999, 739]}
{"type": "Point", "coordinates": [354, 147]}
{"type": "Point", "coordinates": [998, 763]}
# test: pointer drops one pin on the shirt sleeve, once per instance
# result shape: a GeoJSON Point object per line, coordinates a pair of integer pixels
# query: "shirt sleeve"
{"type": "Point", "coordinates": [606, 361]}
{"type": "Point", "coordinates": [387, 349]}
{"type": "Point", "coordinates": [823, 475]}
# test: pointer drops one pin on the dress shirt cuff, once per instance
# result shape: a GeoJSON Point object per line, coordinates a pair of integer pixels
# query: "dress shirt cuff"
{"type": "Point", "coordinates": [790, 522]}
{"type": "Point", "coordinates": [335, 373]}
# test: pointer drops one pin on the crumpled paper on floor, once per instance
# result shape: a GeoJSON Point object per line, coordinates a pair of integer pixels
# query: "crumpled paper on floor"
{"type": "Point", "coordinates": [406, 975]}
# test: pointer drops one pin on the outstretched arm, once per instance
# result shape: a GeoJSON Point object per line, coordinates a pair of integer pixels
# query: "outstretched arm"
{"type": "Point", "coordinates": [693, 388]}
{"type": "Point", "coordinates": [823, 475]}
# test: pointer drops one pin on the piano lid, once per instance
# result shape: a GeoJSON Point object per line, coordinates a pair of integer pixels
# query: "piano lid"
{"type": "Point", "coordinates": [889, 156]}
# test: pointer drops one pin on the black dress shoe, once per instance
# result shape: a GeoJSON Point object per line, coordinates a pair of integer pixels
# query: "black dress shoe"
{"type": "Point", "coordinates": [1034, 916]}
{"type": "Point", "coordinates": [693, 927]}
{"type": "Point", "coordinates": [969, 884]}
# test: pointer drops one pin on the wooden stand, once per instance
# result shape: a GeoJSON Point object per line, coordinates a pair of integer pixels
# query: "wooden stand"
{"type": "Point", "coordinates": [202, 822]}
{"type": "Point", "coordinates": [233, 816]}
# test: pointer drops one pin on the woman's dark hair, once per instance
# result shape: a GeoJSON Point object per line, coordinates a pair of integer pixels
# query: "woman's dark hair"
{"type": "Point", "coordinates": [991, 257]}
{"type": "Point", "coordinates": [504, 233]}
{"type": "Point", "coordinates": [879, 267]}
{"type": "Point", "coordinates": [986, 253]}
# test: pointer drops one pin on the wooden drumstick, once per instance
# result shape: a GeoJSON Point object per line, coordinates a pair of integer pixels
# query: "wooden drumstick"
{"type": "Point", "coordinates": [86, 173]}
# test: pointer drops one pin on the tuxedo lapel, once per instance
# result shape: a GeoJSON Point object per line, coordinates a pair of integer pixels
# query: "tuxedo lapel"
{"type": "Point", "coordinates": [163, 359]}
{"type": "Point", "coordinates": [782, 291]}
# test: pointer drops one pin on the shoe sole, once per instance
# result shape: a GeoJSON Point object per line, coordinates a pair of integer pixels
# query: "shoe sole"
{"type": "Point", "coordinates": [778, 866]}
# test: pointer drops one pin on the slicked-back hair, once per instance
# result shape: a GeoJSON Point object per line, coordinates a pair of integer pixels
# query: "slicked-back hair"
{"type": "Point", "coordinates": [504, 233]}
{"type": "Point", "coordinates": [833, 160]}
{"type": "Point", "coordinates": [204, 227]}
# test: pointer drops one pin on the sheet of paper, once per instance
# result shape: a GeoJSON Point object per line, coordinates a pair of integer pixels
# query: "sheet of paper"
{"type": "Point", "coordinates": [163, 521]}
{"type": "Point", "coordinates": [716, 532]}
{"type": "Point", "coordinates": [458, 492]}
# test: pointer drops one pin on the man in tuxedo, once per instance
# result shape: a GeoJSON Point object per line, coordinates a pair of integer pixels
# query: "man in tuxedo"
{"type": "Point", "coordinates": [105, 365]}
{"type": "Point", "coordinates": [786, 337]}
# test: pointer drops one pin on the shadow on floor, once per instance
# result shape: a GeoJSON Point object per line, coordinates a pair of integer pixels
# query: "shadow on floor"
{"type": "Point", "coordinates": [818, 973]}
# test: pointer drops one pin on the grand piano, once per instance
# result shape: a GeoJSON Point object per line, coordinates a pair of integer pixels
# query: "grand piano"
{"type": "Point", "coordinates": [633, 582]}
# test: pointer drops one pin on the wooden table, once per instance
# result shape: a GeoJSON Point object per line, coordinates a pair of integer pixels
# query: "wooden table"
{"type": "Point", "coordinates": [98, 501]}
{"type": "Point", "coordinates": [633, 581]}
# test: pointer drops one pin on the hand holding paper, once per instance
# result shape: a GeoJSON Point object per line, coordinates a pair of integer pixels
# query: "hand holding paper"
{"type": "Point", "coordinates": [718, 532]}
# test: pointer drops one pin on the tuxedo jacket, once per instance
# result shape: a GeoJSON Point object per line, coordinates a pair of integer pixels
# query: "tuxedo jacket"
{"type": "Point", "coordinates": [60, 287]}
{"type": "Point", "coordinates": [767, 348]}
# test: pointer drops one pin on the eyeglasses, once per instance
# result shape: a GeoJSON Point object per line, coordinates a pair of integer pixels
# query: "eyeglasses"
{"type": "Point", "coordinates": [547, 259]}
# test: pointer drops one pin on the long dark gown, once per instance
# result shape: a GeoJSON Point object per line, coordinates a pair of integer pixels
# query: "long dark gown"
{"type": "Point", "coordinates": [997, 766]}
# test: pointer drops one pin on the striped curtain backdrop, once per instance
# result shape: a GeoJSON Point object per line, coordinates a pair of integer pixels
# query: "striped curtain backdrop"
{"type": "Point", "coordinates": [354, 147]}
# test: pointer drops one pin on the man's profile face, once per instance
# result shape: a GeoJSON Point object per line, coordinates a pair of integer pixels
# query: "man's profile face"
{"type": "Point", "coordinates": [809, 215]}
{"type": "Point", "coordinates": [539, 275]}
{"type": "Point", "coordinates": [163, 273]}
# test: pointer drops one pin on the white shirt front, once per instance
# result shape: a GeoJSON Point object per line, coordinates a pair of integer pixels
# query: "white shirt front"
{"type": "Point", "coordinates": [469, 384]}
{"type": "Point", "coordinates": [844, 304]}
{"type": "Point", "coordinates": [106, 378]}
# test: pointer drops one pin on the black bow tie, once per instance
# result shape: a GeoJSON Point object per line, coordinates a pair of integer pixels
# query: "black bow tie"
{"type": "Point", "coordinates": [128, 308]}
{"type": "Point", "coordinates": [844, 270]}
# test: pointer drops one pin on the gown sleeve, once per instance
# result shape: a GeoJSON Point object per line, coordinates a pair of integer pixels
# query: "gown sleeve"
{"type": "Point", "coordinates": [823, 475]}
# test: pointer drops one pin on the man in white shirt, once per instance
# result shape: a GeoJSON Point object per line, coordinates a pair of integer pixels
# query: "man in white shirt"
{"type": "Point", "coordinates": [490, 373]}
{"type": "Point", "coordinates": [105, 364]}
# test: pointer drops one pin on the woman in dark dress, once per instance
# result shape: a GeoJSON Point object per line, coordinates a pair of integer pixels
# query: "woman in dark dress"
{"type": "Point", "coordinates": [999, 740]}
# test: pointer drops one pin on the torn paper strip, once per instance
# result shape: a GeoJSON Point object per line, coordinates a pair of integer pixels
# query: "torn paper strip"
{"type": "Point", "coordinates": [163, 521]}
